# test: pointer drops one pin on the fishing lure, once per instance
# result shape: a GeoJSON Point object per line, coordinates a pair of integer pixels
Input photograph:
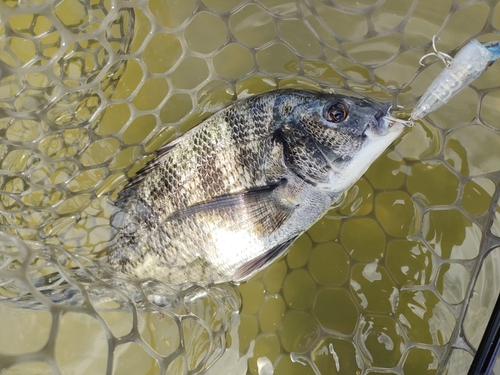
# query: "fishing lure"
{"type": "Point", "coordinates": [469, 63]}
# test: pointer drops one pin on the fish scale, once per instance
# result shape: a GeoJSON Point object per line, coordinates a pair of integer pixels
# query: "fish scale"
{"type": "Point", "coordinates": [231, 195]}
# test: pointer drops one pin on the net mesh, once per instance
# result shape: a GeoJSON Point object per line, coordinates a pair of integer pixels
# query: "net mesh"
{"type": "Point", "coordinates": [400, 279]}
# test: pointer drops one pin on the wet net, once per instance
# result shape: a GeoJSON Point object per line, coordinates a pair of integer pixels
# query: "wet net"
{"type": "Point", "coordinates": [401, 278]}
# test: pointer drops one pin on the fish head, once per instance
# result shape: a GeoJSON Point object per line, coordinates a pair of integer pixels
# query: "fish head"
{"type": "Point", "coordinates": [331, 140]}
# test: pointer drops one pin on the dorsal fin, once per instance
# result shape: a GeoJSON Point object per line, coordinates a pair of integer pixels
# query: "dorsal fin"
{"type": "Point", "coordinates": [150, 165]}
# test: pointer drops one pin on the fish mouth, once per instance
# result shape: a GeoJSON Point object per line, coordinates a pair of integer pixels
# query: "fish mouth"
{"type": "Point", "coordinates": [382, 123]}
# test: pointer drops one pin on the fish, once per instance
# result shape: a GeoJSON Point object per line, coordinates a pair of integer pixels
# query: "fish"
{"type": "Point", "coordinates": [228, 197]}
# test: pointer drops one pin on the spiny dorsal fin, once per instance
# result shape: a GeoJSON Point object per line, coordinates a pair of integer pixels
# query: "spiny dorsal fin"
{"type": "Point", "coordinates": [150, 165]}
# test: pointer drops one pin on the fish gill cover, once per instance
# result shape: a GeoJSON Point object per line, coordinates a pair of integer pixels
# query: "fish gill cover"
{"type": "Point", "coordinates": [394, 281]}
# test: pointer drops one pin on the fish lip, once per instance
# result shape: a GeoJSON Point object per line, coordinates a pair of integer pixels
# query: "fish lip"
{"type": "Point", "coordinates": [377, 125]}
{"type": "Point", "coordinates": [382, 123]}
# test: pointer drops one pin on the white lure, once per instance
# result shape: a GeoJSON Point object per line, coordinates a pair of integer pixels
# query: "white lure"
{"type": "Point", "coordinates": [469, 63]}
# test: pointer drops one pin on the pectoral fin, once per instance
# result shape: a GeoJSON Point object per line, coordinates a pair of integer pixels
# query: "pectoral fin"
{"type": "Point", "coordinates": [256, 264]}
{"type": "Point", "coordinates": [257, 209]}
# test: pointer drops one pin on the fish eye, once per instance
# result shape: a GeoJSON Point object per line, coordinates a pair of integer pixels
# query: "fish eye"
{"type": "Point", "coordinates": [336, 112]}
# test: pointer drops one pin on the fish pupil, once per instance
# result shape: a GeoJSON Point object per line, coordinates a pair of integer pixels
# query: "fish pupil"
{"type": "Point", "coordinates": [336, 112]}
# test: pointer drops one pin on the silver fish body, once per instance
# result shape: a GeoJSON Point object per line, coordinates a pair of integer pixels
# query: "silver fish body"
{"type": "Point", "coordinates": [230, 196]}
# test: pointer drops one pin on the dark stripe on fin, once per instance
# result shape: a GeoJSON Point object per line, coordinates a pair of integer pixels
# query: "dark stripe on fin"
{"type": "Point", "coordinates": [256, 264]}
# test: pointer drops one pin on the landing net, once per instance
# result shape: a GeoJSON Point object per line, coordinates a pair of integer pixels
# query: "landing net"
{"type": "Point", "coordinates": [401, 279]}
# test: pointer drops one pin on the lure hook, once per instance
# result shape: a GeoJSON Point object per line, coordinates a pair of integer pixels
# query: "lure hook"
{"type": "Point", "coordinates": [389, 117]}
{"type": "Point", "coordinates": [444, 57]}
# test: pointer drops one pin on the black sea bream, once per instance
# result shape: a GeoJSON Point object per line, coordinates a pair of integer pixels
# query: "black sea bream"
{"type": "Point", "coordinates": [230, 196]}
